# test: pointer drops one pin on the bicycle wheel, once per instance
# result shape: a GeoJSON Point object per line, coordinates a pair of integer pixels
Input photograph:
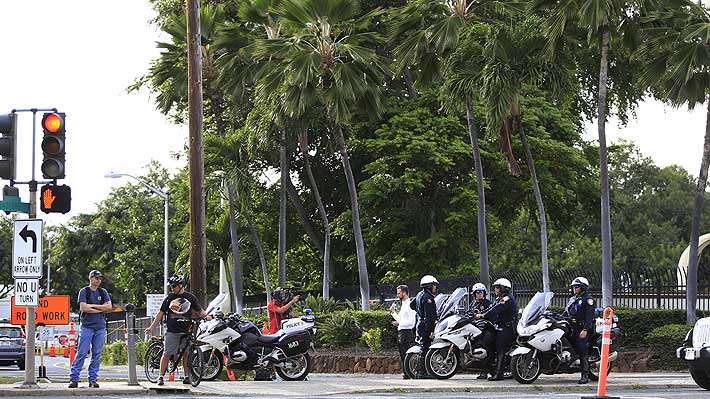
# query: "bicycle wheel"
{"type": "Point", "coordinates": [195, 364]}
{"type": "Point", "coordinates": [151, 362]}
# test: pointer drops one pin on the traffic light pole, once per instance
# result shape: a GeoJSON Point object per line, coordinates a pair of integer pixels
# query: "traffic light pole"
{"type": "Point", "coordinates": [30, 380]}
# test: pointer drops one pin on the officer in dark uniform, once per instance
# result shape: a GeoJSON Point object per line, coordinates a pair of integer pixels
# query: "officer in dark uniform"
{"type": "Point", "coordinates": [426, 319]}
{"type": "Point", "coordinates": [480, 304]}
{"type": "Point", "coordinates": [580, 310]}
{"type": "Point", "coordinates": [503, 314]}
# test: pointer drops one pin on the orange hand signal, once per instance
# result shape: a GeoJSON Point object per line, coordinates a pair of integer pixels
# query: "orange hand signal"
{"type": "Point", "coordinates": [48, 198]}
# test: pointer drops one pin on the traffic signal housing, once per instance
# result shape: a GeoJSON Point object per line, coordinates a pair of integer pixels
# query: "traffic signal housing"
{"type": "Point", "coordinates": [8, 146]}
{"type": "Point", "coordinates": [53, 147]}
{"type": "Point", "coordinates": [55, 199]}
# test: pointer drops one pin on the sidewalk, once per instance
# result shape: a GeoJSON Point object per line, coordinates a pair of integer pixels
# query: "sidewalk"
{"type": "Point", "coordinates": [344, 384]}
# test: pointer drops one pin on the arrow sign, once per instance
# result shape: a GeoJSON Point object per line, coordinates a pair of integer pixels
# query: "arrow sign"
{"type": "Point", "coordinates": [25, 234]}
{"type": "Point", "coordinates": [27, 249]}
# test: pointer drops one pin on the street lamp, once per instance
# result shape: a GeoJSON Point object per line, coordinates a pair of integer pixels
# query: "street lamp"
{"type": "Point", "coordinates": [165, 196]}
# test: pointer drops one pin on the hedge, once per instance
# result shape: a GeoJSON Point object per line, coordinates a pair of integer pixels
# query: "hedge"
{"type": "Point", "coordinates": [637, 324]}
{"type": "Point", "coordinates": [115, 354]}
{"type": "Point", "coordinates": [662, 343]}
{"type": "Point", "coordinates": [344, 329]}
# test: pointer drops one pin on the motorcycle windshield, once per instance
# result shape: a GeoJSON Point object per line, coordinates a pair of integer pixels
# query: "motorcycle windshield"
{"type": "Point", "coordinates": [448, 307]}
{"type": "Point", "coordinates": [216, 302]}
{"type": "Point", "coordinates": [535, 308]}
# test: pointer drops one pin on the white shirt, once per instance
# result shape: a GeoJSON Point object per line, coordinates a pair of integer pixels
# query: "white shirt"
{"type": "Point", "coordinates": [406, 316]}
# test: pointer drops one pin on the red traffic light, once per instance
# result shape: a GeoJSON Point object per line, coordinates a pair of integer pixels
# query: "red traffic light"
{"type": "Point", "coordinates": [53, 123]}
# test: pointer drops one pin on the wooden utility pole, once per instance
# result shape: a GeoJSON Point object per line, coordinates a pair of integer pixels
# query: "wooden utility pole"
{"type": "Point", "coordinates": [198, 246]}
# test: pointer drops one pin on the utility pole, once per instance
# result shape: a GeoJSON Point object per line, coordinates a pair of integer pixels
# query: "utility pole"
{"type": "Point", "coordinates": [198, 239]}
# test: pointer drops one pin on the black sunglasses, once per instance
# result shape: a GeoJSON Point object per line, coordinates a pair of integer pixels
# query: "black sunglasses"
{"type": "Point", "coordinates": [174, 285]}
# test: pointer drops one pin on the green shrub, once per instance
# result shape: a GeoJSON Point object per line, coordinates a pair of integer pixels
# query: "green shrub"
{"type": "Point", "coordinates": [373, 339]}
{"type": "Point", "coordinates": [337, 331]}
{"type": "Point", "coordinates": [115, 354]}
{"type": "Point", "coordinates": [662, 343]}
{"type": "Point", "coordinates": [320, 305]}
{"type": "Point", "coordinates": [367, 320]}
{"type": "Point", "coordinates": [636, 324]}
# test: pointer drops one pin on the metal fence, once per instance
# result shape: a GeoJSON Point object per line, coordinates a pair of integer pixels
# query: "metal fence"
{"type": "Point", "coordinates": [115, 329]}
{"type": "Point", "coordinates": [652, 288]}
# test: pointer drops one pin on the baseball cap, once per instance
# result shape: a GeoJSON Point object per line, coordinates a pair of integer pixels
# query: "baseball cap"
{"type": "Point", "coordinates": [95, 273]}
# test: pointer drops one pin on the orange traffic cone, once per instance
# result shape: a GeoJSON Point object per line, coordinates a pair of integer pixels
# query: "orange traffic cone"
{"type": "Point", "coordinates": [230, 373]}
{"type": "Point", "coordinates": [52, 352]}
{"type": "Point", "coordinates": [171, 377]}
{"type": "Point", "coordinates": [265, 329]}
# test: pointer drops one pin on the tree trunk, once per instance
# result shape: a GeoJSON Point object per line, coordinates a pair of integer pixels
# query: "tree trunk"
{"type": "Point", "coordinates": [303, 145]}
{"type": "Point", "coordinates": [357, 230]}
{"type": "Point", "coordinates": [540, 205]}
{"type": "Point", "coordinates": [482, 235]}
{"type": "Point", "coordinates": [237, 272]}
{"type": "Point", "coordinates": [607, 284]}
{"type": "Point", "coordinates": [409, 82]}
{"type": "Point", "coordinates": [692, 280]}
{"type": "Point", "coordinates": [303, 216]}
{"type": "Point", "coordinates": [198, 238]}
{"type": "Point", "coordinates": [282, 210]}
{"type": "Point", "coordinates": [260, 251]}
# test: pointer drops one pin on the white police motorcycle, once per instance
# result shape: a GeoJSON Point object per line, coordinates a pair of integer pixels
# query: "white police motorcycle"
{"type": "Point", "coordinates": [246, 348]}
{"type": "Point", "coordinates": [457, 340]}
{"type": "Point", "coordinates": [444, 303]}
{"type": "Point", "coordinates": [696, 352]}
{"type": "Point", "coordinates": [543, 347]}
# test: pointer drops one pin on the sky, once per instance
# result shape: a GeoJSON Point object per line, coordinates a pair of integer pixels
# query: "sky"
{"type": "Point", "coordinates": [80, 55]}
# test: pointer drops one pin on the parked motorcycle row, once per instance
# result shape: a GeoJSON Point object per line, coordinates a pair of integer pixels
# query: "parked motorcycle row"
{"type": "Point", "coordinates": [542, 343]}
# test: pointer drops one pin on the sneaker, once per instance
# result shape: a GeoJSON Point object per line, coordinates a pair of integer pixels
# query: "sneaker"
{"type": "Point", "coordinates": [93, 384]}
{"type": "Point", "coordinates": [73, 384]}
{"type": "Point", "coordinates": [161, 381]}
{"type": "Point", "coordinates": [186, 380]}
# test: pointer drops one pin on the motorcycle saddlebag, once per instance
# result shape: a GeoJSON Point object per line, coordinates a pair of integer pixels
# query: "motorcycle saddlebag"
{"type": "Point", "coordinates": [295, 343]}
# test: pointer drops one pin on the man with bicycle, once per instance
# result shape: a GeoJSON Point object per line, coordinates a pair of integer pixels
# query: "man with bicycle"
{"type": "Point", "coordinates": [179, 306]}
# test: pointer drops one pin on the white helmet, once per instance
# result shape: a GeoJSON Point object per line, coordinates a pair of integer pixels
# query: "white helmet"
{"type": "Point", "coordinates": [478, 287]}
{"type": "Point", "coordinates": [581, 281]}
{"type": "Point", "coordinates": [428, 281]}
{"type": "Point", "coordinates": [504, 283]}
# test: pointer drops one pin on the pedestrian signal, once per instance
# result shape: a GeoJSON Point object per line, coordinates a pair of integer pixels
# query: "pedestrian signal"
{"type": "Point", "coordinates": [55, 199]}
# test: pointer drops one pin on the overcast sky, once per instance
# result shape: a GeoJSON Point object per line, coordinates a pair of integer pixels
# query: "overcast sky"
{"type": "Point", "coordinates": [79, 56]}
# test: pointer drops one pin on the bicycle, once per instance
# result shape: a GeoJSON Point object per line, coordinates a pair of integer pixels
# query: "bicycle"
{"type": "Point", "coordinates": [188, 343]}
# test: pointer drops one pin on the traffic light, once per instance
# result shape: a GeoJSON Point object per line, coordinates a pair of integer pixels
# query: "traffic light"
{"type": "Point", "coordinates": [53, 145]}
{"type": "Point", "coordinates": [8, 146]}
{"type": "Point", "coordinates": [55, 199]}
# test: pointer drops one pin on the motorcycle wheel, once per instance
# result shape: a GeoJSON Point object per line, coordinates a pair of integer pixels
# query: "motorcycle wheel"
{"type": "Point", "coordinates": [409, 366]}
{"type": "Point", "coordinates": [151, 362]}
{"type": "Point", "coordinates": [701, 377]}
{"type": "Point", "coordinates": [295, 368]}
{"type": "Point", "coordinates": [526, 368]}
{"type": "Point", "coordinates": [214, 362]}
{"type": "Point", "coordinates": [441, 363]}
{"type": "Point", "coordinates": [594, 370]}
{"type": "Point", "coordinates": [196, 365]}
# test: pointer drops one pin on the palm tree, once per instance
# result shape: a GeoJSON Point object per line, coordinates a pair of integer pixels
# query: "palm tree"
{"type": "Point", "coordinates": [676, 51]}
{"type": "Point", "coordinates": [435, 29]}
{"type": "Point", "coordinates": [514, 58]}
{"type": "Point", "coordinates": [168, 76]}
{"type": "Point", "coordinates": [325, 61]}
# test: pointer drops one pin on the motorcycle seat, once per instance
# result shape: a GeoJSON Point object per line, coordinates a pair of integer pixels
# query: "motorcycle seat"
{"type": "Point", "coordinates": [269, 338]}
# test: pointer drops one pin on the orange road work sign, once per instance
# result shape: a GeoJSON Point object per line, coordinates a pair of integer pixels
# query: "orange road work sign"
{"type": "Point", "coordinates": [52, 310]}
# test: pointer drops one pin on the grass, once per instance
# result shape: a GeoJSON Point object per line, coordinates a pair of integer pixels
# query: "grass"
{"type": "Point", "coordinates": [10, 380]}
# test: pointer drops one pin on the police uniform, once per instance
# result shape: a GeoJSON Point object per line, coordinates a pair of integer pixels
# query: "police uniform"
{"type": "Point", "coordinates": [503, 314]}
{"type": "Point", "coordinates": [580, 310]}
{"type": "Point", "coordinates": [426, 320]}
{"type": "Point", "coordinates": [480, 306]}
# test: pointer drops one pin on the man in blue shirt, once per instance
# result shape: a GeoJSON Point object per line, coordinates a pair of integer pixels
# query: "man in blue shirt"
{"type": "Point", "coordinates": [94, 301]}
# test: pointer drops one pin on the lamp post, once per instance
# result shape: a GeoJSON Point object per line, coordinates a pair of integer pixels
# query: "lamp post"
{"type": "Point", "coordinates": [165, 196]}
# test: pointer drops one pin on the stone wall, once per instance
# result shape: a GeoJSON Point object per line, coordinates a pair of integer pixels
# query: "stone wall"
{"type": "Point", "coordinates": [326, 362]}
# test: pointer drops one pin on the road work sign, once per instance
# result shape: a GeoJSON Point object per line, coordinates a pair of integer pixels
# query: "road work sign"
{"type": "Point", "coordinates": [51, 310]}
{"type": "Point", "coordinates": [27, 249]}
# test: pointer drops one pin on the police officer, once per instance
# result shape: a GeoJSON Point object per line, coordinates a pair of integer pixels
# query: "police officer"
{"type": "Point", "coordinates": [580, 309]}
{"type": "Point", "coordinates": [503, 314]}
{"type": "Point", "coordinates": [480, 304]}
{"type": "Point", "coordinates": [426, 319]}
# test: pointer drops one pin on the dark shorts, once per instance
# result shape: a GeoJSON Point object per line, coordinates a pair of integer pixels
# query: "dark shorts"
{"type": "Point", "coordinates": [172, 342]}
